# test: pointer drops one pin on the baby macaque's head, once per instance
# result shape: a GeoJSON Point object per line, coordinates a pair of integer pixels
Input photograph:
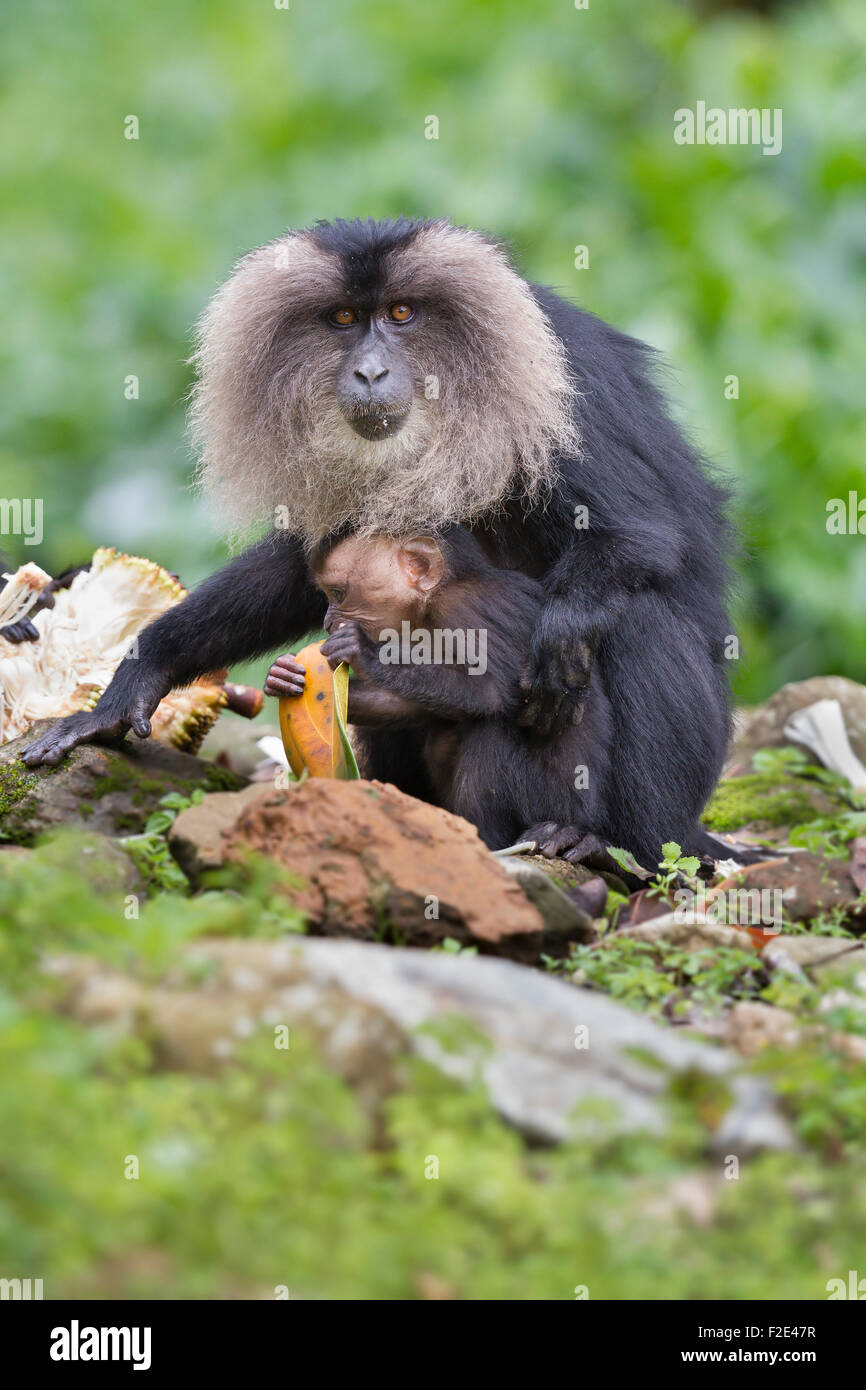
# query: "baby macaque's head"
{"type": "Point", "coordinates": [378, 581]}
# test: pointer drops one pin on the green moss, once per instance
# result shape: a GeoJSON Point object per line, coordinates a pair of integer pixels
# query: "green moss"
{"type": "Point", "coordinates": [17, 801]}
{"type": "Point", "coordinates": [142, 787]}
{"type": "Point", "coordinates": [15, 785]}
{"type": "Point", "coordinates": [126, 777]}
{"type": "Point", "coordinates": [759, 797]}
{"type": "Point", "coordinates": [220, 779]}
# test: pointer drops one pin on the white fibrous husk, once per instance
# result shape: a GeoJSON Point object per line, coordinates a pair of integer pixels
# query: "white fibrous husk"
{"type": "Point", "coordinates": [821, 727]}
{"type": "Point", "coordinates": [21, 592]}
{"type": "Point", "coordinates": [82, 641]}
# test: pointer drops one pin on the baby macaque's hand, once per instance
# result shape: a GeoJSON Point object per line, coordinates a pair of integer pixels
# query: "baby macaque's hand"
{"type": "Point", "coordinates": [346, 643]}
{"type": "Point", "coordinates": [286, 677]}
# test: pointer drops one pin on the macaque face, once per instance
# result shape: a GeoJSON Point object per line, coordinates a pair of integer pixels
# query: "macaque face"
{"type": "Point", "coordinates": [379, 582]}
{"type": "Point", "coordinates": [379, 378]}
{"type": "Point", "coordinates": [375, 378]}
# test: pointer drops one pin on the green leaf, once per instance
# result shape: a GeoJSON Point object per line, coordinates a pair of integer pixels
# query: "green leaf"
{"type": "Point", "coordinates": [347, 768]}
{"type": "Point", "coordinates": [627, 861]}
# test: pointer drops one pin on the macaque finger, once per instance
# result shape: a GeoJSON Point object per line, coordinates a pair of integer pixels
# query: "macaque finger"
{"type": "Point", "coordinates": [336, 659]}
{"type": "Point", "coordinates": [276, 685]}
{"type": "Point", "coordinates": [22, 631]}
{"type": "Point", "coordinates": [286, 677]}
{"type": "Point", "coordinates": [287, 663]}
{"type": "Point", "coordinates": [589, 846]}
{"type": "Point", "coordinates": [563, 841]}
{"type": "Point", "coordinates": [539, 833]}
{"type": "Point", "coordinates": [541, 709]}
{"type": "Point", "coordinates": [340, 648]}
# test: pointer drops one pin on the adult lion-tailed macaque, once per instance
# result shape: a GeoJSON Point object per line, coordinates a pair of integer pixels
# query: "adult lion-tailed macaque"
{"type": "Point", "coordinates": [401, 377]}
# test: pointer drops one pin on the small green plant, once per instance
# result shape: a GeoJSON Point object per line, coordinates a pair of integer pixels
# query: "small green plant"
{"type": "Point", "coordinates": [834, 921]}
{"type": "Point", "coordinates": [452, 947]}
{"type": "Point", "coordinates": [672, 867]}
{"type": "Point", "coordinates": [793, 762]}
{"type": "Point", "coordinates": [658, 976]}
{"type": "Point", "coordinates": [830, 835]}
{"type": "Point", "coordinates": [615, 902]}
{"type": "Point", "coordinates": [149, 850]}
{"type": "Point", "coordinates": [627, 861]}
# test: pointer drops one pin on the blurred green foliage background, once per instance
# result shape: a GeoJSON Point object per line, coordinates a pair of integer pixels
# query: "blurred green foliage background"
{"type": "Point", "coordinates": [555, 129]}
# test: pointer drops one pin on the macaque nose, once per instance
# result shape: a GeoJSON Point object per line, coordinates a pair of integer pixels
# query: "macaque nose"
{"type": "Point", "coordinates": [371, 368]}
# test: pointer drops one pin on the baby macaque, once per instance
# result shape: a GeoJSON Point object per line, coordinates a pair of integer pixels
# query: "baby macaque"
{"type": "Point", "coordinates": [438, 637]}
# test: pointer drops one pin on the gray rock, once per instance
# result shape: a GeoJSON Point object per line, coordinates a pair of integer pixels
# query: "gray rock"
{"type": "Point", "coordinates": [696, 935]}
{"type": "Point", "coordinates": [563, 919]}
{"type": "Point", "coordinates": [542, 1047]}
{"type": "Point", "coordinates": [815, 954]}
{"type": "Point", "coordinates": [109, 790]}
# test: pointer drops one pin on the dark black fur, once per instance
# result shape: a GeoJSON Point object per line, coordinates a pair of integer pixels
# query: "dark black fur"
{"type": "Point", "coordinates": [460, 742]}
{"type": "Point", "coordinates": [646, 585]}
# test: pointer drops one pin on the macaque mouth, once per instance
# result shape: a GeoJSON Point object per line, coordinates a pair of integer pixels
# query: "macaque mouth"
{"type": "Point", "coordinates": [374, 420]}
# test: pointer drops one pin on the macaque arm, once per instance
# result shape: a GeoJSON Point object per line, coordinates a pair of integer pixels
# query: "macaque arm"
{"type": "Point", "coordinates": [448, 691]}
{"type": "Point", "coordinates": [263, 599]}
{"type": "Point", "coordinates": [588, 588]}
{"type": "Point", "coordinates": [373, 707]}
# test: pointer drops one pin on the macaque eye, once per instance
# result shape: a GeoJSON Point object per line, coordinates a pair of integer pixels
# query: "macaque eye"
{"type": "Point", "coordinates": [343, 318]}
{"type": "Point", "coordinates": [401, 313]}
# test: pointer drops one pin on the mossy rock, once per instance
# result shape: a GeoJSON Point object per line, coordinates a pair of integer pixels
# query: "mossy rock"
{"type": "Point", "coordinates": [111, 791]}
{"type": "Point", "coordinates": [763, 801]}
{"type": "Point", "coordinates": [98, 860]}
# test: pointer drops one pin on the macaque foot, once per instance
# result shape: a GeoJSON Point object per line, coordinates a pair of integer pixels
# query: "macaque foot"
{"type": "Point", "coordinates": [286, 677]}
{"type": "Point", "coordinates": [569, 842]}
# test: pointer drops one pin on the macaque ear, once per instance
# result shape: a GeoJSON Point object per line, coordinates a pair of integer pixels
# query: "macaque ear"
{"type": "Point", "coordinates": [422, 562]}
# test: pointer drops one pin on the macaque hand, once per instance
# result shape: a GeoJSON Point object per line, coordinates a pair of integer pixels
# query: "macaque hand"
{"type": "Point", "coordinates": [22, 631]}
{"type": "Point", "coordinates": [89, 726]}
{"type": "Point", "coordinates": [348, 644]}
{"type": "Point", "coordinates": [286, 677]}
{"type": "Point", "coordinates": [134, 693]}
{"type": "Point", "coordinates": [556, 678]}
